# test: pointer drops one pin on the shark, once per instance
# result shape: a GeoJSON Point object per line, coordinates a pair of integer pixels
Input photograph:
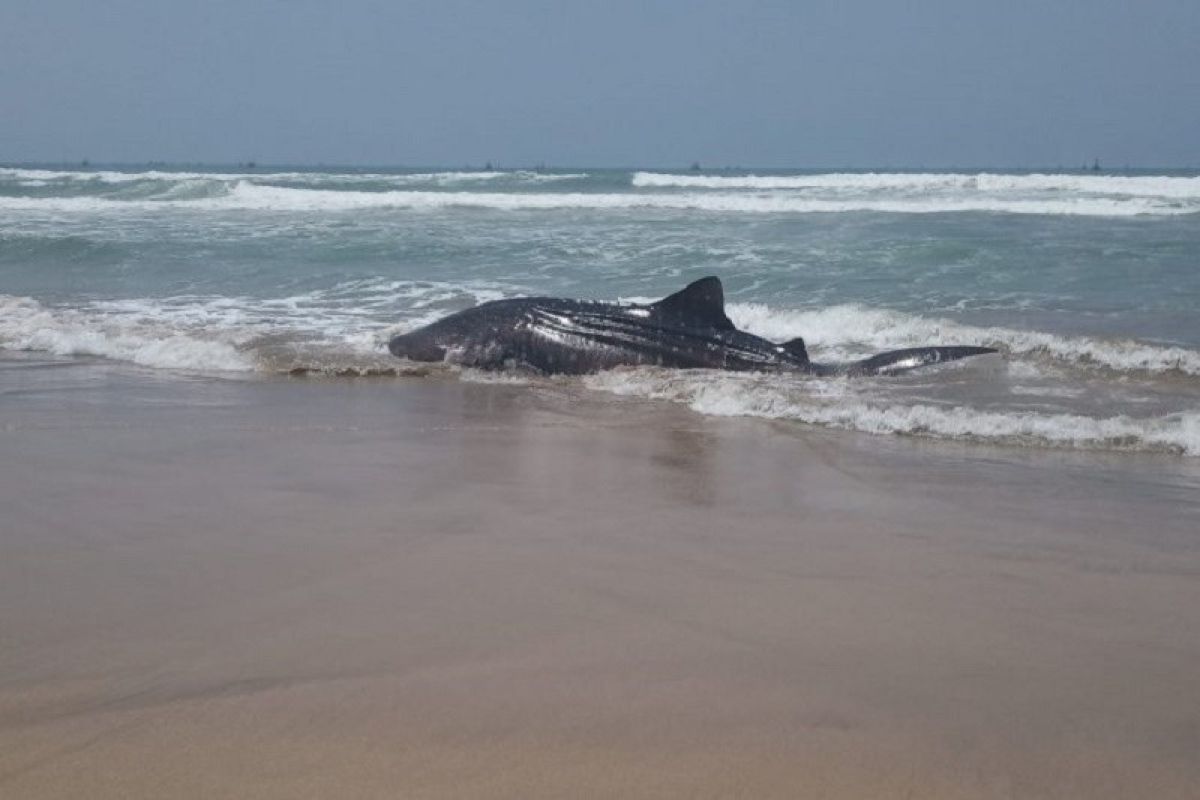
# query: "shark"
{"type": "Point", "coordinates": [685, 330]}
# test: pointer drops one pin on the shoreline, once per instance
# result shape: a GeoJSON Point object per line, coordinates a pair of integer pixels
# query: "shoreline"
{"type": "Point", "coordinates": [278, 587]}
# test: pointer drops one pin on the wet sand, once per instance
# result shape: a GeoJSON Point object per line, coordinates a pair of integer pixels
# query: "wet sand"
{"type": "Point", "coordinates": [428, 588]}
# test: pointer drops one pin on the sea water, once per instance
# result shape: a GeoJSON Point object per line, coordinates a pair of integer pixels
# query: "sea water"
{"type": "Point", "coordinates": [1088, 283]}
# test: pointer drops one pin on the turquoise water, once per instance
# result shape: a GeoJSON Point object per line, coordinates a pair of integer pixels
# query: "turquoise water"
{"type": "Point", "coordinates": [1088, 282]}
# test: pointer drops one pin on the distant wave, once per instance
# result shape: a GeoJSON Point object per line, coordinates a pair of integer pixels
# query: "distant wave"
{"type": "Point", "coordinates": [83, 191]}
{"type": "Point", "coordinates": [876, 185]}
{"type": "Point", "coordinates": [44, 177]}
{"type": "Point", "coordinates": [1119, 185]}
{"type": "Point", "coordinates": [244, 195]}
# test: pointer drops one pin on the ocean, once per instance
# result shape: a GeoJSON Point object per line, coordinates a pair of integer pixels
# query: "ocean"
{"type": "Point", "coordinates": [1087, 282]}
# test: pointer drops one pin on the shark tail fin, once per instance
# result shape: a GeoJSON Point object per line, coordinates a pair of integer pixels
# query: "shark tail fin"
{"type": "Point", "coordinates": [897, 361]}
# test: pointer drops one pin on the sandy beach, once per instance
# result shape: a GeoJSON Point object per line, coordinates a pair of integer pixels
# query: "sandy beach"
{"type": "Point", "coordinates": [435, 588]}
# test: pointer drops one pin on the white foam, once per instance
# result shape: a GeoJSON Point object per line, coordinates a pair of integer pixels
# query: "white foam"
{"type": "Point", "coordinates": [27, 325]}
{"type": "Point", "coordinates": [342, 328]}
{"type": "Point", "coordinates": [502, 378]}
{"type": "Point", "coordinates": [1121, 185]}
{"type": "Point", "coordinates": [247, 196]}
{"type": "Point", "coordinates": [850, 330]}
{"type": "Point", "coordinates": [829, 403]}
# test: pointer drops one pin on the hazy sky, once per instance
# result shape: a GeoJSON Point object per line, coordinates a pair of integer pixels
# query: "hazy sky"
{"type": "Point", "coordinates": [851, 82]}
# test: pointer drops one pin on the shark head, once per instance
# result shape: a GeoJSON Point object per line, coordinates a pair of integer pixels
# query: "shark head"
{"type": "Point", "coordinates": [480, 336]}
{"type": "Point", "coordinates": [417, 346]}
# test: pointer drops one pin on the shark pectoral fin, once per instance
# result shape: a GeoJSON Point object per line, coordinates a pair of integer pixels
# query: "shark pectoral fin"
{"type": "Point", "coordinates": [796, 349]}
{"type": "Point", "coordinates": [702, 301]}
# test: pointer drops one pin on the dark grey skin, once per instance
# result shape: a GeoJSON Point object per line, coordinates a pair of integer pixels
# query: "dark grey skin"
{"type": "Point", "coordinates": [687, 330]}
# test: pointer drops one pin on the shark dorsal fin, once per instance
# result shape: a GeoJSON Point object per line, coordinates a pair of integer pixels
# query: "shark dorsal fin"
{"type": "Point", "coordinates": [795, 347]}
{"type": "Point", "coordinates": [702, 300]}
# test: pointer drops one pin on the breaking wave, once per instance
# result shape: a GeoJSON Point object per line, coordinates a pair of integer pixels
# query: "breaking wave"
{"type": "Point", "coordinates": [27, 325]}
{"type": "Point", "coordinates": [342, 330]}
{"type": "Point", "coordinates": [833, 404]}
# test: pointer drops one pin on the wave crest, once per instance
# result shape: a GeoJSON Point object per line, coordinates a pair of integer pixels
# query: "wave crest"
{"type": "Point", "coordinates": [1121, 185]}
{"type": "Point", "coordinates": [247, 196]}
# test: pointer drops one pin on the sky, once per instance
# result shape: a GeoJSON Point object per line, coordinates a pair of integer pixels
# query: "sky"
{"type": "Point", "coordinates": [865, 83]}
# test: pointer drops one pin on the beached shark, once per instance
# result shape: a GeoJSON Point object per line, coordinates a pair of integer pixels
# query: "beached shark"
{"type": "Point", "coordinates": [686, 330]}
